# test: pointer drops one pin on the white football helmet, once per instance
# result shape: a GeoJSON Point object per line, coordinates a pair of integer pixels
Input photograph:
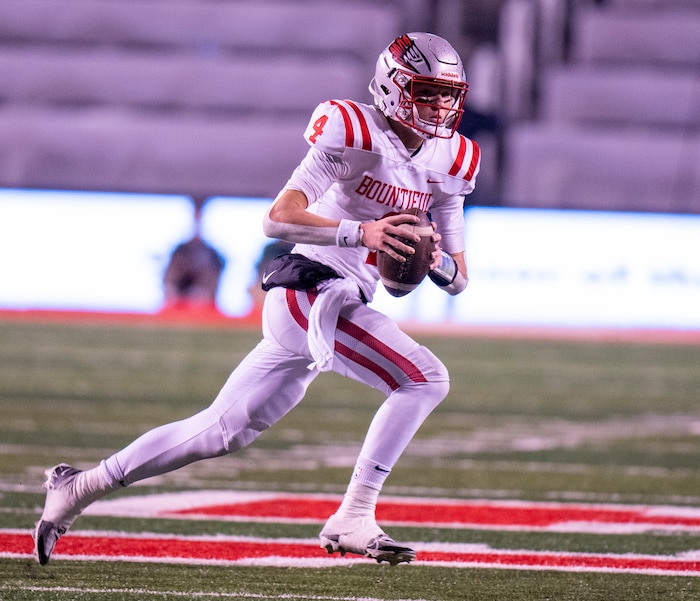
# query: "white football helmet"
{"type": "Point", "coordinates": [413, 59]}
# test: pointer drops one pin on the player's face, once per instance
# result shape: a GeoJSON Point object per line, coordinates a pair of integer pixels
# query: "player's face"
{"type": "Point", "coordinates": [434, 101]}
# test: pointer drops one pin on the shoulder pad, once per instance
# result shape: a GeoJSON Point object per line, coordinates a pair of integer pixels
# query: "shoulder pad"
{"type": "Point", "coordinates": [338, 124]}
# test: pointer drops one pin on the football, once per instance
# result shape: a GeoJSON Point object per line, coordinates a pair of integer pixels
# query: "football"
{"type": "Point", "coordinates": [401, 278]}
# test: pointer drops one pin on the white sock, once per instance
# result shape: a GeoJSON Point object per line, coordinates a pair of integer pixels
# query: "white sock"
{"type": "Point", "coordinates": [360, 499]}
{"type": "Point", "coordinates": [91, 485]}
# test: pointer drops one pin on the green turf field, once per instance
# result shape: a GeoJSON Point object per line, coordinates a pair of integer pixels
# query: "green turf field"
{"type": "Point", "coordinates": [577, 422]}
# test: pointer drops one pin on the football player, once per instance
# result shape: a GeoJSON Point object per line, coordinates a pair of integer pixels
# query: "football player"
{"type": "Point", "coordinates": [363, 163]}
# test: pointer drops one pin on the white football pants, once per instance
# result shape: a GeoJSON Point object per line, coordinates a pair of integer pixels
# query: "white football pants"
{"type": "Point", "coordinates": [273, 378]}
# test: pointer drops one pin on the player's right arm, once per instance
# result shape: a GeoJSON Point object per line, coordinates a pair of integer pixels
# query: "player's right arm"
{"type": "Point", "coordinates": [287, 219]}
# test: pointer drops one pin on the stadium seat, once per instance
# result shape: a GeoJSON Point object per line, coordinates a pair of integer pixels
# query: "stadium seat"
{"type": "Point", "coordinates": [206, 26]}
{"type": "Point", "coordinates": [643, 96]}
{"type": "Point", "coordinates": [196, 97]}
{"type": "Point", "coordinates": [112, 149]}
{"type": "Point", "coordinates": [41, 76]}
{"type": "Point", "coordinates": [681, 4]}
{"type": "Point", "coordinates": [668, 36]}
{"type": "Point", "coordinates": [567, 166]}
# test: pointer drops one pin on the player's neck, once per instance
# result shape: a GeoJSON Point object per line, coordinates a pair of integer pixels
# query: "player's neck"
{"type": "Point", "coordinates": [410, 139]}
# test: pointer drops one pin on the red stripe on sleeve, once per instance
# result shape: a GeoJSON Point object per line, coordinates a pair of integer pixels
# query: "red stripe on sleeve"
{"type": "Point", "coordinates": [476, 153]}
{"type": "Point", "coordinates": [457, 165]}
{"type": "Point", "coordinates": [349, 130]}
{"type": "Point", "coordinates": [364, 129]}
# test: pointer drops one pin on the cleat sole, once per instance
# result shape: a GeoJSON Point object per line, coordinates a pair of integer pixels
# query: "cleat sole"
{"type": "Point", "coordinates": [44, 541]}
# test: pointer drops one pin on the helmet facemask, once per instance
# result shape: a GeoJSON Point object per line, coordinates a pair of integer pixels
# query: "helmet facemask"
{"type": "Point", "coordinates": [431, 107]}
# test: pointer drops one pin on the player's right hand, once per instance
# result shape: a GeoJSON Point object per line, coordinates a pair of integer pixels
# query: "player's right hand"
{"type": "Point", "coordinates": [384, 235]}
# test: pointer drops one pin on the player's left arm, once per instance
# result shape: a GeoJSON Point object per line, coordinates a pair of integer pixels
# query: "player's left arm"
{"type": "Point", "coordinates": [449, 267]}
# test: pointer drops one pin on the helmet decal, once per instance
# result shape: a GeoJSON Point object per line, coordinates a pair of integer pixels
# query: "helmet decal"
{"type": "Point", "coordinates": [406, 53]}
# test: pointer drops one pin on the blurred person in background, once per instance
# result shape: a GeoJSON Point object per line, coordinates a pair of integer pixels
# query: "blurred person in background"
{"type": "Point", "coordinates": [191, 279]}
{"type": "Point", "coordinates": [339, 208]}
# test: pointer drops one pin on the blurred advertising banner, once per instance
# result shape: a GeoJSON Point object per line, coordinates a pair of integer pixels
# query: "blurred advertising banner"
{"type": "Point", "coordinates": [108, 252]}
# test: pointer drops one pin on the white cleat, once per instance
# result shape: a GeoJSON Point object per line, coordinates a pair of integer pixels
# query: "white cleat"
{"type": "Point", "coordinates": [364, 537]}
{"type": "Point", "coordinates": [60, 510]}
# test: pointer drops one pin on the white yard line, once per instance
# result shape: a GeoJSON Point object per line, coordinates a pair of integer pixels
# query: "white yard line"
{"type": "Point", "coordinates": [187, 594]}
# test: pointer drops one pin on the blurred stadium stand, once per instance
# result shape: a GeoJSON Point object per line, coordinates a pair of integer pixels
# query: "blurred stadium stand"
{"type": "Point", "coordinates": [611, 118]}
{"type": "Point", "coordinates": [201, 97]}
{"type": "Point", "coordinates": [597, 102]}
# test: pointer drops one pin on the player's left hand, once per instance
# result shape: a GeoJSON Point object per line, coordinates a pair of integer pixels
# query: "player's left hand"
{"type": "Point", "coordinates": [437, 253]}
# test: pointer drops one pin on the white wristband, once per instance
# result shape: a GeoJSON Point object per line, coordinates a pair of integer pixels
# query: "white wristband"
{"type": "Point", "coordinates": [349, 233]}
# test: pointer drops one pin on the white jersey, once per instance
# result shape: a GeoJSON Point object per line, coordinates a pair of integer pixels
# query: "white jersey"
{"type": "Point", "coordinates": [358, 169]}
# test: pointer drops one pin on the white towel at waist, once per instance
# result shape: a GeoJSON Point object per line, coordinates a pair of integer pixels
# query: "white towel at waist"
{"type": "Point", "coordinates": [323, 319]}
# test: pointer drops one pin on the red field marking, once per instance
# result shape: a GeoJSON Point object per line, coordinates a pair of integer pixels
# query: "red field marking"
{"type": "Point", "coordinates": [475, 514]}
{"type": "Point", "coordinates": [96, 546]}
{"type": "Point", "coordinates": [203, 317]}
{"type": "Point", "coordinates": [213, 318]}
{"type": "Point", "coordinates": [573, 562]}
{"type": "Point", "coordinates": [165, 547]}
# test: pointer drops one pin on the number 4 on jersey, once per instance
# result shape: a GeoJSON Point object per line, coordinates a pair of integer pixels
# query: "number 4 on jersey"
{"type": "Point", "coordinates": [318, 128]}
